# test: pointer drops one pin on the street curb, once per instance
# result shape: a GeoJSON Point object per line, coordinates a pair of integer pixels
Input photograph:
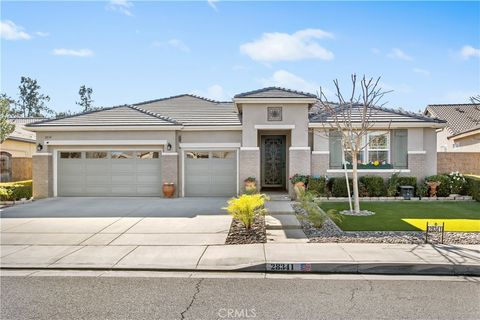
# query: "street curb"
{"type": "Point", "coordinates": [303, 268]}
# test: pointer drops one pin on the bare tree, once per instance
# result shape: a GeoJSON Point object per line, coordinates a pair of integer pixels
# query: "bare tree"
{"type": "Point", "coordinates": [352, 117]}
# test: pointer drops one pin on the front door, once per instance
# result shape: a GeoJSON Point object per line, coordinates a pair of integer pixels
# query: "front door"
{"type": "Point", "coordinates": [273, 161]}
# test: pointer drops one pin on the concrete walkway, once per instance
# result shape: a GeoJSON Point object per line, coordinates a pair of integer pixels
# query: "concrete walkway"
{"type": "Point", "coordinates": [283, 257]}
{"type": "Point", "coordinates": [281, 223]}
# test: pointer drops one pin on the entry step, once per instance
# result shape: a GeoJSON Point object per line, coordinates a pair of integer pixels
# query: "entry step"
{"type": "Point", "coordinates": [279, 207]}
{"type": "Point", "coordinates": [281, 221]}
{"type": "Point", "coordinates": [286, 236]}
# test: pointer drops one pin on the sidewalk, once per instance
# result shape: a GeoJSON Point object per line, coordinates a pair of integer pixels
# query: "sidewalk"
{"type": "Point", "coordinates": [280, 257]}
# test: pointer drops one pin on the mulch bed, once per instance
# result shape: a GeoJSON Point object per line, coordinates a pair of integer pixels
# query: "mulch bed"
{"type": "Point", "coordinates": [239, 235]}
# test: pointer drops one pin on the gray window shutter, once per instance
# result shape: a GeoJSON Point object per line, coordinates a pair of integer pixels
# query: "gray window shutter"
{"type": "Point", "coordinates": [400, 148]}
{"type": "Point", "coordinates": [336, 149]}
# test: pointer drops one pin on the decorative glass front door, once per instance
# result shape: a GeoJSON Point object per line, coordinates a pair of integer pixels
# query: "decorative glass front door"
{"type": "Point", "coordinates": [273, 161]}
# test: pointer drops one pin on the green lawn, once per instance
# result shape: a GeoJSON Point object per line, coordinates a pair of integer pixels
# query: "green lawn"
{"type": "Point", "coordinates": [411, 216]}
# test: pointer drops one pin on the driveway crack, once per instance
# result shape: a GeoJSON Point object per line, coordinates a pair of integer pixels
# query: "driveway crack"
{"type": "Point", "coordinates": [197, 291]}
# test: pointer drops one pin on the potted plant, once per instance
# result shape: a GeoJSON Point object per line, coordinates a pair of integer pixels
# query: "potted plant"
{"type": "Point", "coordinates": [250, 185]}
{"type": "Point", "coordinates": [168, 189]}
{"type": "Point", "coordinates": [299, 180]}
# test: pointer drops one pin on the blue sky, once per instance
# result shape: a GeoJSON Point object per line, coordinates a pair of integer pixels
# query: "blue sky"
{"type": "Point", "coordinates": [427, 52]}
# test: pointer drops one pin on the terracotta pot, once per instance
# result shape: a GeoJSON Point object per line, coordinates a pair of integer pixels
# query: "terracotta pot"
{"type": "Point", "coordinates": [168, 190]}
{"type": "Point", "coordinates": [300, 184]}
{"type": "Point", "coordinates": [250, 184]}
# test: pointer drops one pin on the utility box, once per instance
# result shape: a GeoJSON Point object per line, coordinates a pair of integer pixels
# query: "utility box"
{"type": "Point", "coordinates": [406, 192]}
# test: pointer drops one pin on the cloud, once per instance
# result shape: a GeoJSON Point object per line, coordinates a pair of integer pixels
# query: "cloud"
{"type": "Point", "coordinates": [278, 46]}
{"type": "Point", "coordinates": [212, 3]}
{"type": "Point", "coordinates": [285, 79]}
{"type": "Point", "coordinates": [172, 43]}
{"type": "Point", "coordinates": [214, 92]}
{"type": "Point", "coordinates": [10, 31]}
{"type": "Point", "coordinates": [73, 53]}
{"type": "Point", "coordinates": [122, 6]}
{"type": "Point", "coordinates": [421, 71]}
{"type": "Point", "coordinates": [42, 34]}
{"type": "Point", "coordinates": [399, 54]}
{"type": "Point", "coordinates": [468, 51]}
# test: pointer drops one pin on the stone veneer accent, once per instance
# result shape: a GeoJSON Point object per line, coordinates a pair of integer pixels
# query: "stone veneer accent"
{"type": "Point", "coordinates": [42, 176]}
{"type": "Point", "coordinates": [416, 164]}
{"type": "Point", "coordinates": [299, 162]}
{"type": "Point", "coordinates": [249, 166]}
{"type": "Point", "coordinates": [169, 168]}
{"type": "Point", "coordinates": [320, 164]}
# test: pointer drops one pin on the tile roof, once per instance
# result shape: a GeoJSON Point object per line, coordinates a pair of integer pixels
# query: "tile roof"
{"type": "Point", "coordinates": [379, 114]}
{"type": "Point", "coordinates": [460, 118]}
{"type": "Point", "coordinates": [20, 133]}
{"type": "Point", "coordinates": [191, 110]}
{"type": "Point", "coordinates": [114, 116]}
{"type": "Point", "coordinates": [275, 92]}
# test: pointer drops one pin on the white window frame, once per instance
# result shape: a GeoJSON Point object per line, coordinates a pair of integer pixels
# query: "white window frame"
{"type": "Point", "coordinates": [366, 150]}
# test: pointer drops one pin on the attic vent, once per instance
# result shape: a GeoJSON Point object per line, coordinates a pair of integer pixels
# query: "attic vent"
{"type": "Point", "coordinates": [460, 110]}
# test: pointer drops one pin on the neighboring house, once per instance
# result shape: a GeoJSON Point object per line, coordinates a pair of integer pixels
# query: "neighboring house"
{"type": "Point", "coordinates": [462, 133]}
{"type": "Point", "coordinates": [17, 150]}
{"type": "Point", "coordinates": [208, 148]}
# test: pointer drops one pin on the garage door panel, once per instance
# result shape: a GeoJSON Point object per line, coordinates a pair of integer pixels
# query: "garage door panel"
{"type": "Point", "coordinates": [215, 175]}
{"type": "Point", "coordinates": [108, 176]}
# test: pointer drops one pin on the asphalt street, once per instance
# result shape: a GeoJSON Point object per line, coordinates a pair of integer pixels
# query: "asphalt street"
{"type": "Point", "coordinates": [74, 297]}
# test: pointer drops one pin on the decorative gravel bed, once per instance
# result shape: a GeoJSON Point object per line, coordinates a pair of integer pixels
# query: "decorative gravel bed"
{"type": "Point", "coordinates": [239, 235]}
{"type": "Point", "coordinates": [330, 232]}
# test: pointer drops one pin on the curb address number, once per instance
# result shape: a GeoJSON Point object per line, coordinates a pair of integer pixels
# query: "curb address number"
{"type": "Point", "coordinates": [296, 267]}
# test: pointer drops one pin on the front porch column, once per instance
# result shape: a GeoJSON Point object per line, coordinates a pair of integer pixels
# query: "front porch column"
{"type": "Point", "coordinates": [299, 162]}
{"type": "Point", "coordinates": [42, 175]}
{"type": "Point", "coordinates": [169, 168]}
{"type": "Point", "coordinates": [249, 165]}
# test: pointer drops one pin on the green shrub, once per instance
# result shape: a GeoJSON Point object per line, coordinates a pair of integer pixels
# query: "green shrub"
{"type": "Point", "coordinates": [392, 185]}
{"type": "Point", "coordinates": [444, 187]}
{"type": "Point", "coordinates": [11, 191]}
{"type": "Point", "coordinates": [316, 215]}
{"type": "Point", "coordinates": [395, 181]}
{"type": "Point", "coordinates": [318, 185]}
{"type": "Point", "coordinates": [458, 183]}
{"type": "Point", "coordinates": [473, 187]}
{"type": "Point", "coordinates": [339, 187]}
{"type": "Point", "coordinates": [374, 185]}
{"type": "Point", "coordinates": [422, 190]}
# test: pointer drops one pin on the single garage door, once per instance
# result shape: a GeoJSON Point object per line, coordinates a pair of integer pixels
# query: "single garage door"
{"type": "Point", "coordinates": [210, 173]}
{"type": "Point", "coordinates": [109, 173]}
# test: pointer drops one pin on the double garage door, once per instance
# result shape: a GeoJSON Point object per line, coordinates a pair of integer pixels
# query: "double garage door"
{"type": "Point", "coordinates": [210, 173]}
{"type": "Point", "coordinates": [138, 173]}
{"type": "Point", "coordinates": [109, 173]}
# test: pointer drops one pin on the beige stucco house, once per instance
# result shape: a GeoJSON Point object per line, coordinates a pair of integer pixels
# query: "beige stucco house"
{"type": "Point", "coordinates": [208, 148]}
{"type": "Point", "coordinates": [17, 150]}
{"type": "Point", "coordinates": [462, 132]}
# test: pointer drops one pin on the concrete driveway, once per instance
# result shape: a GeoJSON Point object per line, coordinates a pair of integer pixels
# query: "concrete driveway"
{"type": "Point", "coordinates": [116, 222]}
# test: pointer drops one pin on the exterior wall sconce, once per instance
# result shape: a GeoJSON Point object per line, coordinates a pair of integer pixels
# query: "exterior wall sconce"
{"type": "Point", "coordinates": [39, 147]}
{"type": "Point", "coordinates": [169, 147]}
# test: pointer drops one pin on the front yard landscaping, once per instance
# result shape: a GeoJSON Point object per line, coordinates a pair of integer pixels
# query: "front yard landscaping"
{"type": "Point", "coordinates": [411, 216]}
{"type": "Point", "coordinates": [393, 222]}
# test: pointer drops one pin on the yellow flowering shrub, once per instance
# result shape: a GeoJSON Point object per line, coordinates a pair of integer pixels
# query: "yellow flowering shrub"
{"type": "Point", "coordinates": [246, 207]}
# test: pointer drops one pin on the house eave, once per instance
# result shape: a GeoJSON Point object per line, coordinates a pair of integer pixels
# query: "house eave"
{"type": "Point", "coordinates": [382, 125]}
{"type": "Point", "coordinates": [284, 100]}
{"type": "Point", "coordinates": [103, 128]}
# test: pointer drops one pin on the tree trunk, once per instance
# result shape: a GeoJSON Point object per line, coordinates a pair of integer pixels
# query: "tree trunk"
{"type": "Point", "coordinates": [356, 198]}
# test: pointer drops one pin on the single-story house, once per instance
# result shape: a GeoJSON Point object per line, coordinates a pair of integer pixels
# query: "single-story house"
{"type": "Point", "coordinates": [462, 132]}
{"type": "Point", "coordinates": [208, 148]}
{"type": "Point", "coordinates": [17, 150]}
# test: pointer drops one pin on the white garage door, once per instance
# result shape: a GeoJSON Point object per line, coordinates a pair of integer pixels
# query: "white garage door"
{"type": "Point", "coordinates": [109, 173]}
{"type": "Point", "coordinates": [210, 173]}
